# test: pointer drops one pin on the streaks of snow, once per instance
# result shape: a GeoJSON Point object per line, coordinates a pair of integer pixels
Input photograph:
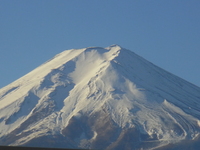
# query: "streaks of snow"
{"type": "Point", "coordinates": [88, 80]}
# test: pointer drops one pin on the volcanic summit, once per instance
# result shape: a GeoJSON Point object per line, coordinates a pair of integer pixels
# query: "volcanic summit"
{"type": "Point", "coordinates": [100, 98]}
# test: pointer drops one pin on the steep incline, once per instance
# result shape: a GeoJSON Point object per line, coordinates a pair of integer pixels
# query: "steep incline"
{"type": "Point", "coordinates": [107, 98]}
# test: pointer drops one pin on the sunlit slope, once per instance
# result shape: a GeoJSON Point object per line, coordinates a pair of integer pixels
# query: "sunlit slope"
{"type": "Point", "coordinates": [107, 98]}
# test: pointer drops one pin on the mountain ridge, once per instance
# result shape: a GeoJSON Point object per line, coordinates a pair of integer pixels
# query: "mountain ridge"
{"type": "Point", "coordinates": [97, 98]}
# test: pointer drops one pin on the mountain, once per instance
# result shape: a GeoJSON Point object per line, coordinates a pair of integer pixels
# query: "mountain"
{"type": "Point", "coordinates": [100, 98]}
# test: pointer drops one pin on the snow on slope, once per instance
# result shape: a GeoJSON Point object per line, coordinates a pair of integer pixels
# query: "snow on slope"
{"type": "Point", "coordinates": [81, 82]}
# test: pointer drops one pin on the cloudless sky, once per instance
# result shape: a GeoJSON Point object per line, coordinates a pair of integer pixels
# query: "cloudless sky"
{"type": "Point", "coordinates": [165, 32]}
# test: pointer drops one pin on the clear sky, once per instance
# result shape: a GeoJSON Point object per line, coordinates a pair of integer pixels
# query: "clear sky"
{"type": "Point", "coordinates": [165, 32]}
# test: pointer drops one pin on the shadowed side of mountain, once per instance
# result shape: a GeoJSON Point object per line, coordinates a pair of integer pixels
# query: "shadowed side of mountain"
{"type": "Point", "coordinates": [182, 145]}
{"type": "Point", "coordinates": [95, 131]}
{"type": "Point", "coordinates": [31, 148]}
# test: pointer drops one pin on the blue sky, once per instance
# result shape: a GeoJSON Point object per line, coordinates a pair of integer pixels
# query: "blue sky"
{"type": "Point", "coordinates": [165, 32]}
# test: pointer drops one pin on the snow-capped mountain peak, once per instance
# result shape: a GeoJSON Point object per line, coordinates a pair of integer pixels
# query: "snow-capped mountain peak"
{"type": "Point", "coordinates": [96, 95]}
